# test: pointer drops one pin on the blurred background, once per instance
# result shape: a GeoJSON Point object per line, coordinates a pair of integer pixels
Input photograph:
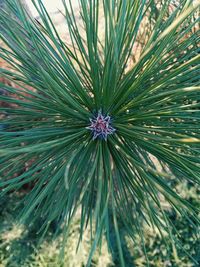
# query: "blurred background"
{"type": "Point", "coordinates": [53, 6]}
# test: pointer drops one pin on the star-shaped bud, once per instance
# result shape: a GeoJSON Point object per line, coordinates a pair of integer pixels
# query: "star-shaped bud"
{"type": "Point", "coordinates": [101, 126]}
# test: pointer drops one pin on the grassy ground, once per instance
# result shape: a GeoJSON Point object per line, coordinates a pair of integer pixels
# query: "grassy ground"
{"type": "Point", "coordinates": [19, 246]}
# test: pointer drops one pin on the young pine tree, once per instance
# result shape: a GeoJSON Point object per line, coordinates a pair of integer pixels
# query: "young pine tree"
{"type": "Point", "coordinates": [99, 136]}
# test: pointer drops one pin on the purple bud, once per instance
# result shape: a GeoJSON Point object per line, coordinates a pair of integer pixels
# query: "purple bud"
{"type": "Point", "coordinates": [101, 126]}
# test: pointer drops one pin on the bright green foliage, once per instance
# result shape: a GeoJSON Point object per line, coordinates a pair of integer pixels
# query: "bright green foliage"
{"type": "Point", "coordinates": [154, 108]}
